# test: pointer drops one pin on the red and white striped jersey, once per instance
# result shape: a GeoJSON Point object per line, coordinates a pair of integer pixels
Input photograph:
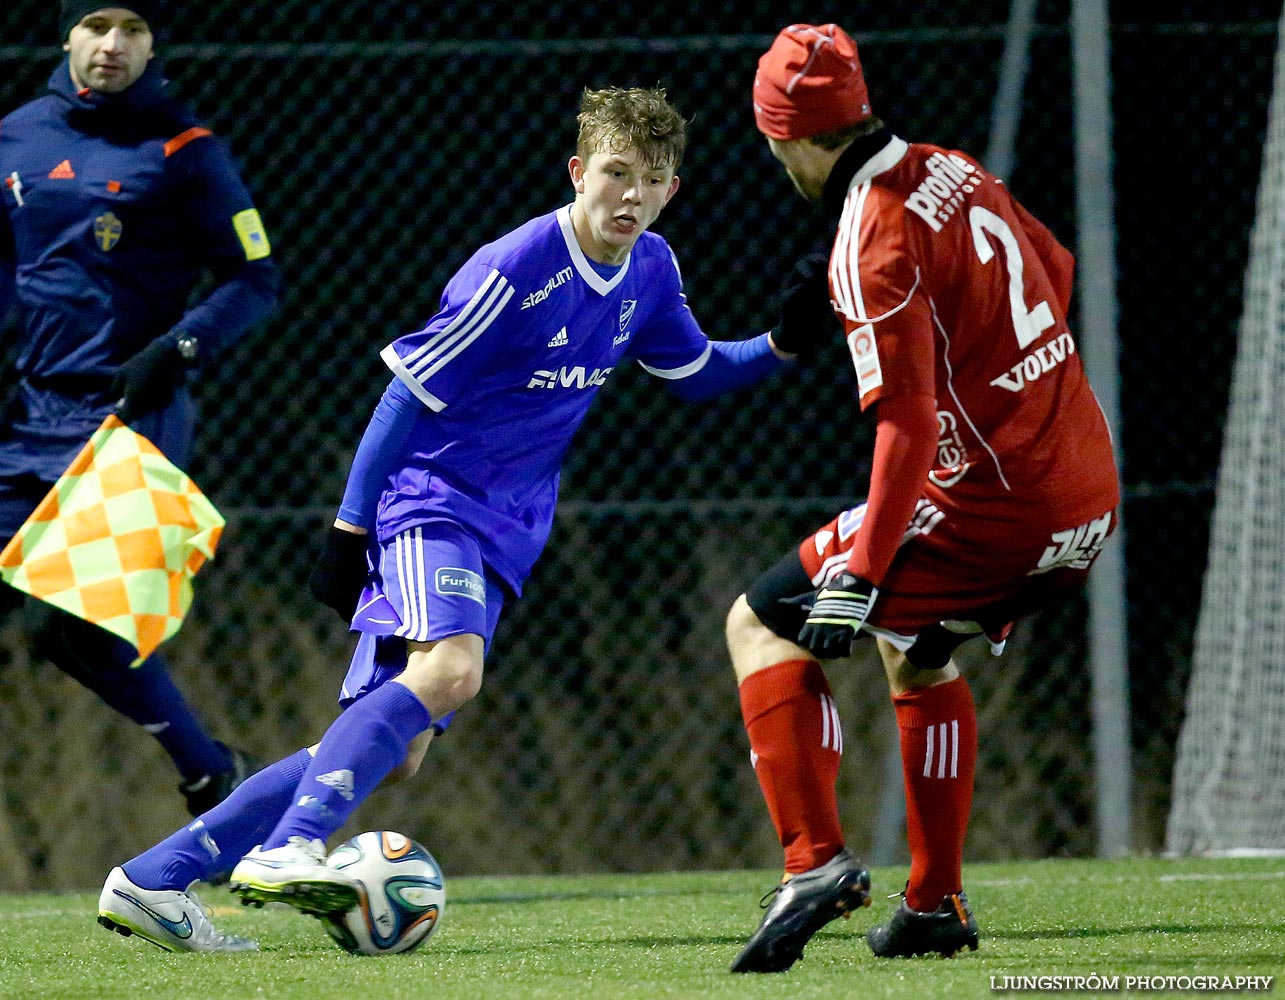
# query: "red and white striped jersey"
{"type": "Point", "coordinates": [948, 288]}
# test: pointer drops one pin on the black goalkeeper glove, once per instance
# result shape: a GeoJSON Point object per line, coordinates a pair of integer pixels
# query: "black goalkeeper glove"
{"type": "Point", "coordinates": [340, 573]}
{"type": "Point", "coordinates": [840, 609]}
{"type": "Point", "coordinates": [806, 320]}
{"type": "Point", "coordinates": [148, 381]}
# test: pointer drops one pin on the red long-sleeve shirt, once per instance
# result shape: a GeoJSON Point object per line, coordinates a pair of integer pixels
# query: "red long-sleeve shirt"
{"type": "Point", "coordinates": [954, 301]}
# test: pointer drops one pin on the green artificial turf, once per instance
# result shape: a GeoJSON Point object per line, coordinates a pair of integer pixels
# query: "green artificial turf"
{"type": "Point", "coordinates": [673, 935]}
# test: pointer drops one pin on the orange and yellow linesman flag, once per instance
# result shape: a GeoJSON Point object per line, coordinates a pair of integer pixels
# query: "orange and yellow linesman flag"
{"type": "Point", "coordinates": [117, 540]}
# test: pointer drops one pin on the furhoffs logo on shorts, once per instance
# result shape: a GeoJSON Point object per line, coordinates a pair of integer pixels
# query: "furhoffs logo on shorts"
{"type": "Point", "coordinates": [461, 582]}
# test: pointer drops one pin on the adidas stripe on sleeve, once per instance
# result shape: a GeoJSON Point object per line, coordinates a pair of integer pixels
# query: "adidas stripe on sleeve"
{"type": "Point", "coordinates": [439, 362]}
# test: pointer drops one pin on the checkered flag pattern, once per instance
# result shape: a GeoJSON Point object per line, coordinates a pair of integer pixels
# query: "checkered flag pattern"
{"type": "Point", "coordinates": [117, 539]}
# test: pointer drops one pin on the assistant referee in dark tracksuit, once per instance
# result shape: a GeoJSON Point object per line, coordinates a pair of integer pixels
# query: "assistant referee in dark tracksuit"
{"type": "Point", "coordinates": [115, 201]}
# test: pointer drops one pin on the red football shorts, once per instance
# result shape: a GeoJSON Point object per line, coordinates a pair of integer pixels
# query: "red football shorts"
{"type": "Point", "coordinates": [963, 568]}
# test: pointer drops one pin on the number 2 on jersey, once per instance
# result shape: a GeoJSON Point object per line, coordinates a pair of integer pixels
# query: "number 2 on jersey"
{"type": "Point", "coordinates": [1028, 324]}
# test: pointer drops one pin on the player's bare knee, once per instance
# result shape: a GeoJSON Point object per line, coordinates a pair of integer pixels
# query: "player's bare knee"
{"type": "Point", "coordinates": [454, 681]}
{"type": "Point", "coordinates": [445, 674]}
{"type": "Point", "coordinates": [741, 621]}
{"type": "Point", "coordinates": [745, 633]}
{"type": "Point", "coordinates": [467, 683]}
{"type": "Point", "coordinates": [904, 675]}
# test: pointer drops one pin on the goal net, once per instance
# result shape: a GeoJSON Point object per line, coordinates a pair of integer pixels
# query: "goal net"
{"type": "Point", "coordinates": [1229, 776]}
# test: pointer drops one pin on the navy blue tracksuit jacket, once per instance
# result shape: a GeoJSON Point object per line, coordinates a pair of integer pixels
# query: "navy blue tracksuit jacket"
{"type": "Point", "coordinates": [113, 207]}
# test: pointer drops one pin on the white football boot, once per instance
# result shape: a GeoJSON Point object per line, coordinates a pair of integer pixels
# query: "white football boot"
{"type": "Point", "coordinates": [168, 918]}
{"type": "Point", "coordinates": [295, 874]}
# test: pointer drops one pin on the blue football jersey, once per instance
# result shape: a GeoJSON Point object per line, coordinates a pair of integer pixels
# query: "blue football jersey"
{"type": "Point", "coordinates": [527, 333]}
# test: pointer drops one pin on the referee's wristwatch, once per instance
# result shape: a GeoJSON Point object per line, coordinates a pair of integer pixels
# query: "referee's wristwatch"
{"type": "Point", "coordinates": [188, 347]}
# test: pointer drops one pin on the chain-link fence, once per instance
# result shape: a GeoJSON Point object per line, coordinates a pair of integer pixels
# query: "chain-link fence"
{"type": "Point", "coordinates": [384, 142]}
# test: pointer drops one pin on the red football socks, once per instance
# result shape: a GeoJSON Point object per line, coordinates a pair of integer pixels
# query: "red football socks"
{"type": "Point", "coordinates": [795, 743]}
{"type": "Point", "coordinates": [938, 760]}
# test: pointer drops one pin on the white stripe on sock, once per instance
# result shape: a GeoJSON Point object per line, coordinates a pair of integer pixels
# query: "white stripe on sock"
{"type": "Point", "coordinates": [831, 731]}
{"type": "Point", "coordinates": [954, 748]}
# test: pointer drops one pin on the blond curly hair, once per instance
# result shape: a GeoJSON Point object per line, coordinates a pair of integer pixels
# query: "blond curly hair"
{"type": "Point", "coordinates": [616, 119]}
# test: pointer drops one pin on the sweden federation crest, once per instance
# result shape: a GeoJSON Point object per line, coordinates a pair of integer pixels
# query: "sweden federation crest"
{"type": "Point", "coordinates": [107, 230]}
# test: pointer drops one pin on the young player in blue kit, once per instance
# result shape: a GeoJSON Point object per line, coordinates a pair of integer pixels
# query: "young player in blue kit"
{"type": "Point", "coordinates": [451, 499]}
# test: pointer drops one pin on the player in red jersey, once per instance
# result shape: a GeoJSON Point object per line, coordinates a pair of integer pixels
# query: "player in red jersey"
{"type": "Point", "coordinates": [992, 490]}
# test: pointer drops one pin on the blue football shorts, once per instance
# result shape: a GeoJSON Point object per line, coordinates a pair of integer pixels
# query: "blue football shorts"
{"type": "Point", "coordinates": [426, 583]}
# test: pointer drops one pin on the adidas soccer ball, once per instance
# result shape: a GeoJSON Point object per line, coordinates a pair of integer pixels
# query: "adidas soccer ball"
{"type": "Point", "coordinates": [401, 895]}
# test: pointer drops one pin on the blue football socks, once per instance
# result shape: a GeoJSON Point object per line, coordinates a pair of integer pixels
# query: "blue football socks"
{"type": "Point", "coordinates": [359, 749]}
{"type": "Point", "coordinates": [218, 839]}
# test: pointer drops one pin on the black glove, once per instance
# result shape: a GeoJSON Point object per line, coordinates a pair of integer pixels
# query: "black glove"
{"type": "Point", "coordinates": [148, 380]}
{"type": "Point", "coordinates": [806, 321]}
{"type": "Point", "coordinates": [840, 609]}
{"type": "Point", "coordinates": [340, 573]}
